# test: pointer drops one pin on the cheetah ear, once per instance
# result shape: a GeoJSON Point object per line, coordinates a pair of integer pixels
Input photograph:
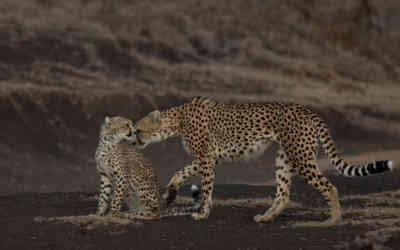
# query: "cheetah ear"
{"type": "Point", "coordinates": [155, 116]}
{"type": "Point", "coordinates": [107, 119]}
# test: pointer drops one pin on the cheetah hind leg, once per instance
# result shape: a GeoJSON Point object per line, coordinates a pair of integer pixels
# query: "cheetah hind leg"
{"type": "Point", "coordinates": [314, 177]}
{"type": "Point", "coordinates": [336, 217]}
{"type": "Point", "coordinates": [283, 181]}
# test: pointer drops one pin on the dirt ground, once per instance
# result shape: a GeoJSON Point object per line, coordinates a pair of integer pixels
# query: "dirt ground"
{"type": "Point", "coordinates": [370, 207]}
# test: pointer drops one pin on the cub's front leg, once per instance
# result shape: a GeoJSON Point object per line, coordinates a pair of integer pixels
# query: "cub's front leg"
{"type": "Point", "coordinates": [116, 203]}
{"type": "Point", "coordinates": [104, 195]}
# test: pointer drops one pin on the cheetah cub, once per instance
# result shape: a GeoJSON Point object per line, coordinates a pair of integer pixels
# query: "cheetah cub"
{"type": "Point", "coordinates": [125, 175]}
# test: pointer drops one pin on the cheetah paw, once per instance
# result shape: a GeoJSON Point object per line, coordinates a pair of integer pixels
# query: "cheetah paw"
{"type": "Point", "coordinates": [101, 213]}
{"type": "Point", "coordinates": [262, 218]}
{"type": "Point", "coordinates": [198, 216]}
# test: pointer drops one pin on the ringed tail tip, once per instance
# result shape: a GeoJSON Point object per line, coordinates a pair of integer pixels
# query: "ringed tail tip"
{"type": "Point", "coordinates": [390, 165]}
{"type": "Point", "coordinates": [194, 188]}
{"type": "Point", "coordinates": [196, 192]}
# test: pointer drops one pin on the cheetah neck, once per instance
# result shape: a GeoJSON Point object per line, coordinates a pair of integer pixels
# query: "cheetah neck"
{"type": "Point", "coordinates": [171, 120]}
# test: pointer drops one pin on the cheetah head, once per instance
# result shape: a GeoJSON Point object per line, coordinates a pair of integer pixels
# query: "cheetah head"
{"type": "Point", "coordinates": [118, 128]}
{"type": "Point", "coordinates": [149, 129]}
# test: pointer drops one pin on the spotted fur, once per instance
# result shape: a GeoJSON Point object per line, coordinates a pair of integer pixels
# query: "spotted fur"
{"type": "Point", "coordinates": [212, 132]}
{"type": "Point", "coordinates": [126, 175]}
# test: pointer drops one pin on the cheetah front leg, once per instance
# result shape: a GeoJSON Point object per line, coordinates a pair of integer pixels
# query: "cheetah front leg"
{"type": "Point", "coordinates": [180, 177]}
{"type": "Point", "coordinates": [283, 177]}
{"type": "Point", "coordinates": [207, 186]}
{"type": "Point", "coordinates": [104, 195]}
{"type": "Point", "coordinates": [116, 203]}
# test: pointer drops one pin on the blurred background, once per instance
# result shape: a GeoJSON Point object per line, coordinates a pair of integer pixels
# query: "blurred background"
{"type": "Point", "coordinates": [64, 65]}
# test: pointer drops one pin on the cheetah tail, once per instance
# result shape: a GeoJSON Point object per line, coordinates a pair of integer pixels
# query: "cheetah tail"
{"type": "Point", "coordinates": [187, 210]}
{"type": "Point", "coordinates": [340, 164]}
{"type": "Point", "coordinates": [179, 211]}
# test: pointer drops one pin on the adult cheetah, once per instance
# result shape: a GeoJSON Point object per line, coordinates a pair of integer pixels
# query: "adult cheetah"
{"type": "Point", "coordinates": [128, 175]}
{"type": "Point", "coordinates": [212, 132]}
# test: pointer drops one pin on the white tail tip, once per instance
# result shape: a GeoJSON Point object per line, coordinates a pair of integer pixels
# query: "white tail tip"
{"type": "Point", "coordinates": [390, 165]}
{"type": "Point", "coordinates": [194, 188]}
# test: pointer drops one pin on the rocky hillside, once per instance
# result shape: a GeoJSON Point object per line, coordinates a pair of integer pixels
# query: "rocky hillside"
{"type": "Point", "coordinates": [66, 64]}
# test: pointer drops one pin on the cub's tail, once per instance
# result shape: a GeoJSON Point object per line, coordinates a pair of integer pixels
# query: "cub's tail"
{"type": "Point", "coordinates": [195, 194]}
{"type": "Point", "coordinates": [340, 164]}
{"type": "Point", "coordinates": [185, 210]}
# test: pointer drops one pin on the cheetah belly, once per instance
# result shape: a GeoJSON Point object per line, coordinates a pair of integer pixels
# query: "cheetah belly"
{"type": "Point", "coordinates": [236, 152]}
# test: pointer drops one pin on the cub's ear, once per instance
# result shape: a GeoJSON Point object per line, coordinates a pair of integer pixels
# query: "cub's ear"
{"type": "Point", "coordinates": [155, 116]}
{"type": "Point", "coordinates": [107, 119]}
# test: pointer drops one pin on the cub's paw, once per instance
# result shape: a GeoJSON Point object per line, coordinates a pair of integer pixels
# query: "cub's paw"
{"type": "Point", "coordinates": [199, 216]}
{"type": "Point", "coordinates": [196, 193]}
{"type": "Point", "coordinates": [260, 218]}
{"type": "Point", "coordinates": [170, 195]}
{"type": "Point", "coordinates": [101, 212]}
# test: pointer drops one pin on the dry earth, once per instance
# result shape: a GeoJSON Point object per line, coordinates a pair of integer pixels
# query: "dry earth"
{"type": "Point", "coordinates": [62, 221]}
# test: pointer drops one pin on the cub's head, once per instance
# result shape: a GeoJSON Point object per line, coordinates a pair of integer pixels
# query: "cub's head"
{"type": "Point", "coordinates": [150, 129]}
{"type": "Point", "coordinates": [118, 128]}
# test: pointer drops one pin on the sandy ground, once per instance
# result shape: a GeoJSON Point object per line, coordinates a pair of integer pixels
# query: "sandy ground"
{"type": "Point", "coordinates": [60, 220]}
